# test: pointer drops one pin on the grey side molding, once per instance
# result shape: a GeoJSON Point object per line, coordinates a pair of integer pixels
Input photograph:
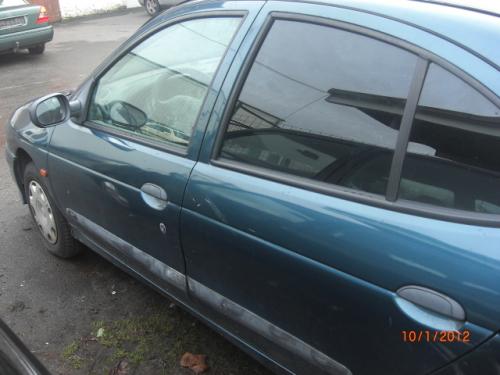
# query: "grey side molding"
{"type": "Point", "coordinates": [128, 253]}
{"type": "Point", "coordinates": [252, 321]}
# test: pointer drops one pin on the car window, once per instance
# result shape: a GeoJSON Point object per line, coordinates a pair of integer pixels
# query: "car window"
{"type": "Point", "coordinates": [323, 104]}
{"type": "Point", "coordinates": [460, 130]}
{"type": "Point", "coordinates": [157, 89]}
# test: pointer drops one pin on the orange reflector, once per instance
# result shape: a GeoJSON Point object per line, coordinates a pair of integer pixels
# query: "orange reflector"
{"type": "Point", "coordinates": [43, 172]}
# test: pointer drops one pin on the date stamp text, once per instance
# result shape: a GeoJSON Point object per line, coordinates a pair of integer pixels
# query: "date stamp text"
{"type": "Point", "coordinates": [417, 336]}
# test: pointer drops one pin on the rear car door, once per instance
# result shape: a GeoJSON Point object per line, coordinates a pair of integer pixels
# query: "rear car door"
{"type": "Point", "coordinates": [295, 226]}
{"type": "Point", "coordinates": [120, 176]}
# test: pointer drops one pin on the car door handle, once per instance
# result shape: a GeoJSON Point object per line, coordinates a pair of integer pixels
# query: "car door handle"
{"type": "Point", "coordinates": [430, 307]}
{"type": "Point", "coordinates": [154, 196]}
{"type": "Point", "coordinates": [122, 145]}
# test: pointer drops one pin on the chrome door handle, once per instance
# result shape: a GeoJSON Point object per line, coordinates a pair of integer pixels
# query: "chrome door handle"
{"type": "Point", "coordinates": [431, 308]}
{"type": "Point", "coordinates": [154, 196]}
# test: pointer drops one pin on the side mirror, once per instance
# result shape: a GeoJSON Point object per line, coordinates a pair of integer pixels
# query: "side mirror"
{"type": "Point", "coordinates": [126, 115]}
{"type": "Point", "coordinates": [53, 109]}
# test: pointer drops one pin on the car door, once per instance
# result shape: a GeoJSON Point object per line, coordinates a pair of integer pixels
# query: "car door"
{"type": "Point", "coordinates": [292, 228]}
{"type": "Point", "coordinates": [120, 175]}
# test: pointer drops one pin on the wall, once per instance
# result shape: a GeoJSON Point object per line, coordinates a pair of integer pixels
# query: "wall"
{"type": "Point", "coordinates": [76, 8]}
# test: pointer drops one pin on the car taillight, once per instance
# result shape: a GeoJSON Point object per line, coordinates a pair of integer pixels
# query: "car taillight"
{"type": "Point", "coordinates": [42, 17]}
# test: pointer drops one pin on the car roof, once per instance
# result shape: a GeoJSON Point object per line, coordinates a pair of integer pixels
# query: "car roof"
{"type": "Point", "coordinates": [485, 6]}
{"type": "Point", "coordinates": [476, 30]}
{"type": "Point", "coordinates": [472, 24]}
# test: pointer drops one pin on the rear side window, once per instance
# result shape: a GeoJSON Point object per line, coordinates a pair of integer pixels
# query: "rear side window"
{"type": "Point", "coordinates": [456, 163]}
{"type": "Point", "coordinates": [324, 104]}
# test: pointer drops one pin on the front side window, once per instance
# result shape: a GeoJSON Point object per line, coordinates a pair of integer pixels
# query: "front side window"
{"type": "Point", "coordinates": [457, 163]}
{"type": "Point", "coordinates": [157, 89]}
{"type": "Point", "coordinates": [322, 103]}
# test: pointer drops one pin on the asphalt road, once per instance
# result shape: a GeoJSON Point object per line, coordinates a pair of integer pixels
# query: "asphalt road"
{"type": "Point", "coordinates": [84, 316]}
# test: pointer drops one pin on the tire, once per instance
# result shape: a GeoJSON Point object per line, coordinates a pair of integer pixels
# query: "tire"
{"type": "Point", "coordinates": [51, 224]}
{"type": "Point", "coordinates": [152, 7]}
{"type": "Point", "coordinates": [37, 50]}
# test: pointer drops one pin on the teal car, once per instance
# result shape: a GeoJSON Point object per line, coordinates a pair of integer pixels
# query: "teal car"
{"type": "Point", "coordinates": [318, 181]}
{"type": "Point", "coordinates": [23, 25]}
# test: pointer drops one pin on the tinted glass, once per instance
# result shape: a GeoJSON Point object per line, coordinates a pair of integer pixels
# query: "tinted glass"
{"type": "Point", "coordinates": [458, 162]}
{"type": "Point", "coordinates": [157, 89]}
{"type": "Point", "coordinates": [322, 103]}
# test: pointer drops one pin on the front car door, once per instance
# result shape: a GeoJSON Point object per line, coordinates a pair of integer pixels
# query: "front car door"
{"type": "Point", "coordinates": [298, 226]}
{"type": "Point", "coordinates": [120, 175]}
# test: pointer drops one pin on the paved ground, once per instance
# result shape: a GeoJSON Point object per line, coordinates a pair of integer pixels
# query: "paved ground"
{"type": "Point", "coordinates": [84, 316]}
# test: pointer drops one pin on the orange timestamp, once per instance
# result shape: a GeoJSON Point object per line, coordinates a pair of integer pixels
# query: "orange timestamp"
{"type": "Point", "coordinates": [417, 336]}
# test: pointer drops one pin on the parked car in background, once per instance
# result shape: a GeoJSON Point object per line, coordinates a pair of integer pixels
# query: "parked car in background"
{"type": "Point", "coordinates": [317, 181]}
{"type": "Point", "coordinates": [23, 26]}
{"type": "Point", "coordinates": [154, 7]}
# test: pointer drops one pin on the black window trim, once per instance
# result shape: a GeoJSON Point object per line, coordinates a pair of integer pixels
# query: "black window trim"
{"type": "Point", "coordinates": [389, 201]}
{"type": "Point", "coordinates": [130, 45]}
{"type": "Point", "coordinates": [405, 127]}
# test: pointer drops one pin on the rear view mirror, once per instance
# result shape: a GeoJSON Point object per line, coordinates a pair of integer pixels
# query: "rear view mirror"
{"type": "Point", "coordinates": [126, 115]}
{"type": "Point", "coordinates": [50, 110]}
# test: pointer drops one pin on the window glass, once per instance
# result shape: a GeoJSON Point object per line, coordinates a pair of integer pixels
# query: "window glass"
{"type": "Point", "coordinates": [157, 89]}
{"type": "Point", "coordinates": [460, 130]}
{"type": "Point", "coordinates": [322, 103]}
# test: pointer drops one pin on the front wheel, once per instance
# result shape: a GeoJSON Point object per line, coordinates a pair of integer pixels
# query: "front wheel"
{"type": "Point", "coordinates": [51, 224]}
{"type": "Point", "coordinates": [152, 7]}
{"type": "Point", "coordinates": [37, 50]}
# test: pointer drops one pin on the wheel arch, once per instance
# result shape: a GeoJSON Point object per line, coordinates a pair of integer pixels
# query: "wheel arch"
{"type": "Point", "coordinates": [21, 161]}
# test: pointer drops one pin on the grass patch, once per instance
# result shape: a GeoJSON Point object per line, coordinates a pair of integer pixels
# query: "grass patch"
{"type": "Point", "coordinates": [135, 339]}
{"type": "Point", "coordinates": [70, 355]}
{"type": "Point", "coordinates": [154, 343]}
